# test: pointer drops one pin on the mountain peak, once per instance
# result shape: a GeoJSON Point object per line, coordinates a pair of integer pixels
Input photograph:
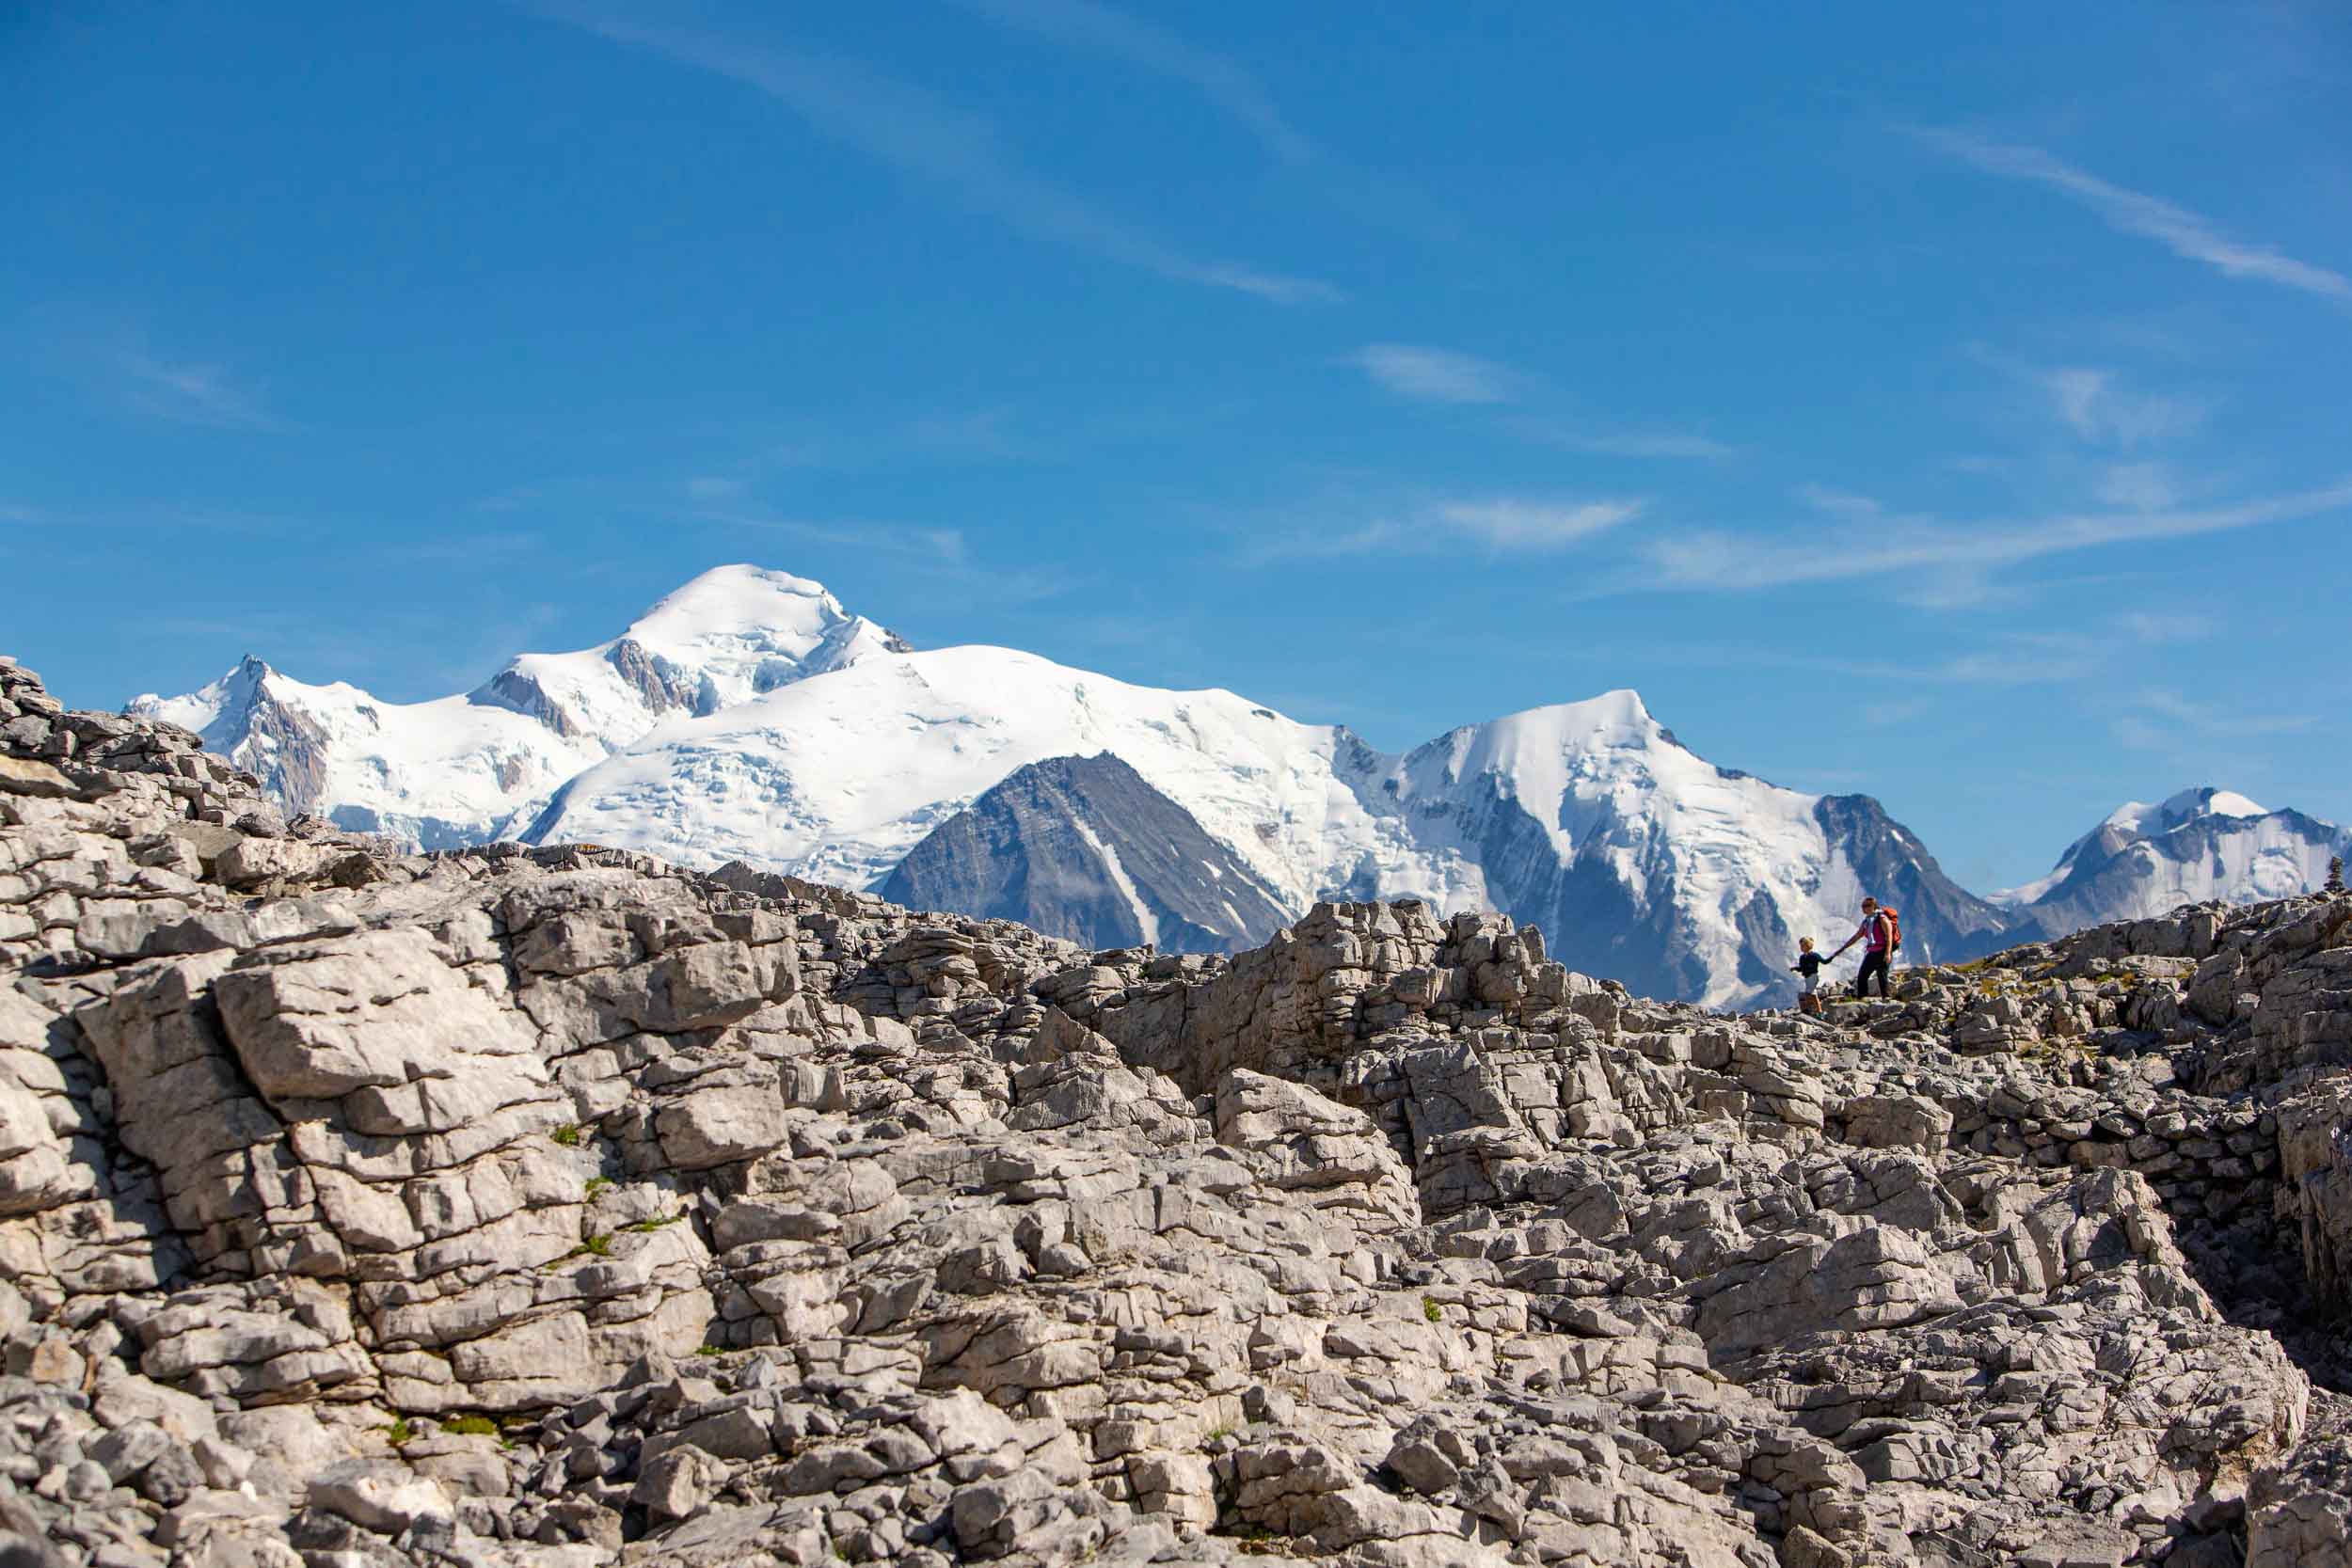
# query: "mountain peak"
{"type": "Point", "coordinates": [737, 599]}
{"type": "Point", "coordinates": [741, 612]}
{"type": "Point", "coordinates": [1620, 709]}
{"type": "Point", "coordinates": [2147, 821]}
{"type": "Point", "coordinates": [227, 696]}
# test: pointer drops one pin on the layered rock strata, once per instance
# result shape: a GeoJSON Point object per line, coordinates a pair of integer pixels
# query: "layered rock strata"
{"type": "Point", "coordinates": [561, 1207]}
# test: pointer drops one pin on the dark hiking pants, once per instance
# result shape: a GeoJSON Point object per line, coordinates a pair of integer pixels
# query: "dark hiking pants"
{"type": "Point", "coordinates": [1872, 963]}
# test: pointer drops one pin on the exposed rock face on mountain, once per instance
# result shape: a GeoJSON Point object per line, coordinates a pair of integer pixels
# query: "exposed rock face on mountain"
{"type": "Point", "coordinates": [1083, 847]}
{"type": "Point", "coordinates": [1891, 862]}
{"type": "Point", "coordinates": [562, 1207]}
{"type": "Point", "coordinates": [2201, 844]}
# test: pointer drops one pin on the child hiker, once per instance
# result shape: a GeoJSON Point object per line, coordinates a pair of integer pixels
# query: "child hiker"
{"type": "Point", "coordinates": [1809, 965]}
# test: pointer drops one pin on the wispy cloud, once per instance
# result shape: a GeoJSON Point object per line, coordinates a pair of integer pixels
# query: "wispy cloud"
{"type": "Point", "coordinates": [919, 134]}
{"type": "Point", "coordinates": [2180, 230]}
{"type": "Point", "coordinates": [1434, 375]}
{"type": "Point", "coordinates": [2167, 719]}
{"type": "Point", "coordinates": [1428, 374]}
{"type": "Point", "coordinates": [1364, 194]}
{"type": "Point", "coordinates": [2180, 626]}
{"type": "Point", "coordinates": [1515, 524]}
{"type": "Point", "coordinates": [1081, 23]}
{"type": "Point", "coordinates": [1323, 544]}
{"type": "Point", "coordinates": [2019, 658]}
{"type": "Point", "coordinates": [1956, 588]}
{"type": "Point", "coordinates": [1843, 504]}
{"type": "Point", "coordinates": [1522, 525]}
{"type": "Point", "coordinates": [2095, 404]}
{"type": "Point", "coordinates": [115, 359]}
{"type": "Point", "coordinates": [2139, 486]}
{"type": "Point", "coordinates": [1718, 559]}
{"type": "Point", "coordinates": [2210, 718]}
{"type": "Point", "coordinates": [2097, 407]}
{"type": "Point", "coordinates": [194, 394]}
{"type": "Point", "coordinates": [1640, 444]}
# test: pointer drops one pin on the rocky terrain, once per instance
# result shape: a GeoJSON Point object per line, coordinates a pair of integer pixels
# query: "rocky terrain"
{"type": "Point", "coordinates": [559, 1207]}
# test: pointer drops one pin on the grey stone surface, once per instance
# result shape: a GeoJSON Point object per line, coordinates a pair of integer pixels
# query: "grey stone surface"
{"type": "Point", "coordinates": [557, 1207]}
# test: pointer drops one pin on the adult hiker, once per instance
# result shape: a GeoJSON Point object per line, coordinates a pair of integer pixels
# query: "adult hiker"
{"type": "Point", "coordinates": [1880, 933]}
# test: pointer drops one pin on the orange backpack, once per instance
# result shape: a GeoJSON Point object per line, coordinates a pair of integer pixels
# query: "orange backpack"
{"type": "Point", "coordinates": [1894, 926]}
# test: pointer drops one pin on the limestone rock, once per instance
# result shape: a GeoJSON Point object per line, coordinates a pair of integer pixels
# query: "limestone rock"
{"type": "Point", "coordinates": [543, 1208]}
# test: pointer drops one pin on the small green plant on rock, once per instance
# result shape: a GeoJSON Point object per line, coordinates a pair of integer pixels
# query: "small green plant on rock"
{"type": "Point", "coordinates": [647, 1227]}
{"type": "Point", "coordinates": [598, 1245]}
{"type": "Point", "coordinates": [470, 1426]}
{"type": "Point", "coordinates": [401, 1430]}
{"type": "Point", "coordinates": [568, 1136]}
{"type": "Point", "coordinates": [1430, 1309]}
{"type": "Point", "coordinates": [597, 1184]}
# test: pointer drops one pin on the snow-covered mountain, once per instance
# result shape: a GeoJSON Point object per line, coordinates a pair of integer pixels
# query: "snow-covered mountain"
{"type": "Point", "coordinates": [750, 717]}
{"type": "Point", "coordinates": [838, 778]}
{"type": "Point", "coordinates": [1640, 859]}
{"type": "Point", "coordinates": [1643, 861]}
{"type": "Point", "coordinates": [2202, 844]}
{"type": "Point", "coordinates": [478, 766]}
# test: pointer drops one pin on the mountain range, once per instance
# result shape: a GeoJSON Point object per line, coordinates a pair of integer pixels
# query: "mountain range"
{"type": "Point", "coordinates": [750, 717]}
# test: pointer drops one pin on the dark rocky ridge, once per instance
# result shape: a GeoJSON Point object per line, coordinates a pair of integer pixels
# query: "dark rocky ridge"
{"type": "Point", "coordinates": [1059, 844]}
{"type": "Point", "coordinates": [557, 1207]}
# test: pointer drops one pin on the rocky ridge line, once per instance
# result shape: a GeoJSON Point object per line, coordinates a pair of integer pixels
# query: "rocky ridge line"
{"type": "Point", "coordinates": [561, 1207]}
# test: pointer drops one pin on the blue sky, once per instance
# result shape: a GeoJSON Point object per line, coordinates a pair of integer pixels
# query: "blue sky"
{"type": "Point", "coordinates": [1945, 405]}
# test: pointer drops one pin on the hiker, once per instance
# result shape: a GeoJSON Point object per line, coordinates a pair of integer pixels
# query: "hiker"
{"type": "Point", "coordinates": [1808, 964]}
{"type": "Point", "coordinates": [1881, 934]}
